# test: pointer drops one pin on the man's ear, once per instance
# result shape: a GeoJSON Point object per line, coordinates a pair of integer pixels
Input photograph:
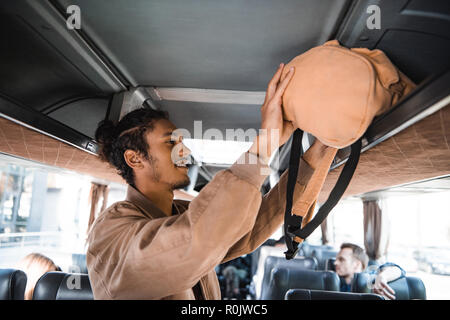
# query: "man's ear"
{"type": "Point", "coordinates": [133, 159]}
{"type": "Point", "coordinates": [358, 265]}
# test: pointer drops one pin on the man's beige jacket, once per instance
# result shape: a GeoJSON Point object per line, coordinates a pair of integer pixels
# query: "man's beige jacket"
{"type": "Point", "coordinates": [137, 252]}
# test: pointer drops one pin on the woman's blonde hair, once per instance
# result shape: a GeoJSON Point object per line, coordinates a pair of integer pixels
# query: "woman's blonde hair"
{"type": "Point", "coordinates": [35, 265]}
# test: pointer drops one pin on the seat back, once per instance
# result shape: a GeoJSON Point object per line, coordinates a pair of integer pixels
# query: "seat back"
{"type": "Point", "coordinates": [280, 262]}
{"type": "Point", "coordinates": [12, 284]}
{"type": "Point", "coordinates": [283, 279]}
{"type": "Point", "coordinates": [306, 294]}
{"type": "Point", "coordinates": [306, 249]}
{"type": "Point", "coordinates": [322, 256]}
{"type": "Point", "coordinates": [409, 288]}
{"type": "Point", "coordinates": [330, 265]}
{"type": "Point", "coordinates": [63, 286]}
{"type": "Point", "coordinates": [406, 288]}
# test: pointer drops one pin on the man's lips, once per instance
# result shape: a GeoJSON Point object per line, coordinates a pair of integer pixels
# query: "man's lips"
{"type": "Point", "coordinates": [183, 162]}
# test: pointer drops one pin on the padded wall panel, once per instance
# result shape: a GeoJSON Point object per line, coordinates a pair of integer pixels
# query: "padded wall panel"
{"type": "Point", "coordinates": [421, 151]}
{"type": "Point", "coordinates": [19, 141]}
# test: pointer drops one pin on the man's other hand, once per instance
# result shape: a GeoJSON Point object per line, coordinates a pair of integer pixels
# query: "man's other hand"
{"type": "Point", "coordinates": [382, 288]}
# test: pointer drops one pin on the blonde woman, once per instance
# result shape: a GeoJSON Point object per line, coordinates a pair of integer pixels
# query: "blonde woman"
{"type": "Point", "coordinates": [35, 265]}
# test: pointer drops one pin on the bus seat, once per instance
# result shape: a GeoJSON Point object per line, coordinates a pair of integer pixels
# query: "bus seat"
{"type": "Point", "coordinates": [406, 288]}
{"type": "Point", "coordinates": [306, 249]}
{"type": "Point", "coordinates": [12, 284]}
{"type": "Point", "coordinates": [280, 262]}
{"type": "Point", "coordinates": [63, 286]}
{"type": "Point", "coordinates": [306, 294]}
{"type": "Point", "coordinates": [283, 279]}
{"type": "Point", "coordinates": [322, 256]}
{"type": "Point", "coordinates": [330, 265]}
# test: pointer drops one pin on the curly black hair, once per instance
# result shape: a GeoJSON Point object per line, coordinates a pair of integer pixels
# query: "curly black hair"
{"type": "Point", "coordinates": [128, 133]}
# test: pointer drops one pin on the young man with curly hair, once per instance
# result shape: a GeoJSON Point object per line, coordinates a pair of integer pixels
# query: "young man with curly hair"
{"type": "Point", "coordinates": [153, 247]}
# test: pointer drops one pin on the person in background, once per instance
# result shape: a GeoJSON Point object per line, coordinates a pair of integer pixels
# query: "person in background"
{"type": "Point", "coordinates": [35, 265]}
{"type": "Point", "coordinates": [352, 259]}
{"type": "Point", "coordinates": [233, 277]}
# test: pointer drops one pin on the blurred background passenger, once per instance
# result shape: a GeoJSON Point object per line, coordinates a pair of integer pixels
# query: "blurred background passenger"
{"type": "Point", "coordinates": [352, 259]}
{"type": "Point", "coordinates": [35, 265]}
{"type": "Point", "coordinates": [233, 278]}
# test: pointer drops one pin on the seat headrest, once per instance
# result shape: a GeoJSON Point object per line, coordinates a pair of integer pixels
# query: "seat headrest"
{"type": "Point", "coordinates": [12, 284]}
{"type": "Point", "coordinates": [406, 288]}
{"type": "Point", "coordinates": [272, 262]}
{"type": "Point", "coordinates": [283, 279]}
{"type": "Point", "coordinates": [306, 249]}
{"type": "Point", "coordinates": [330, 265]}
{"type": "Point", "coordinates": [322, 256]}
{"type": "Point", "coordinates": [309, 263]}
{"type": "Point", "coordinates": [305, 294]}
{"type": "Point", "coordinates": [63, 286]}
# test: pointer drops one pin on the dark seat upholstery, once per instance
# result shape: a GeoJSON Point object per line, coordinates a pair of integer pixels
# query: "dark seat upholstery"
{"type": "Point", "coordinates": [12, 284]}
{"type": "Point", "coordinates": [406, 288]}
{"type": "Point", "coordinates": [305, 294]}
{"type": "Point", "coordinates": [272, 262]}
{"type": "Point", "coordinates": [322, 256]}
{"type": "Point", "coordinates": [330, 265]}
{"type": "Point", "coordinates": [307, 249]}
{"type": "Point", "coordinates": [283, 279]}
{"type": "Point", "coordinates": [63, 286]}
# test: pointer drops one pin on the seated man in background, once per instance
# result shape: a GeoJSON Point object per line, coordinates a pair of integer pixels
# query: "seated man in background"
{"type": "Point", "coordinates": [352, 259]}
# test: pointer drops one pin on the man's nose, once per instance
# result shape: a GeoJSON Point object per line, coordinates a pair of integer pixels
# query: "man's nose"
{"type": "Point", "coordinates": [184, 151]}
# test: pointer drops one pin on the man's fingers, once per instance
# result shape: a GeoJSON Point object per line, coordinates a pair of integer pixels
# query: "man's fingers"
{"type": "Point", "coordinates": [272, 87]}
{"type": "Point", "coordinates": [388, 288]}
{"type": "Point", "coordinates": [283, 85]}
{"type": "Point", "coordinates": [385, 290]}
{"type": "Point", "coordinates": [388, 294]}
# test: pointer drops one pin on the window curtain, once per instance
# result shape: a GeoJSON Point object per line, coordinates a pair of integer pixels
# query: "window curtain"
{"type": "Point", "coordinates": [372, 229]}
{"type": "Point", "coordinates": [98, 191]}
{"type": "Point", "coordinates": [324, 229]}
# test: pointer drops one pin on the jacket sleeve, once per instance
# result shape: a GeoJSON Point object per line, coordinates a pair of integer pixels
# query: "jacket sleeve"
{"type": "Point", "coordinates": [173, 253]}
{"type": "Point", "coordinates": [271, 213]}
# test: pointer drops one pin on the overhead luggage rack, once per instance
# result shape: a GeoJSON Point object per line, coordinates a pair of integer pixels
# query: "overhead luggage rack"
{"type": "Point", "coordinates": [429, 97]}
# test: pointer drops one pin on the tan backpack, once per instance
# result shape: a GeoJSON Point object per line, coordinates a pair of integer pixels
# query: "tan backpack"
{"type": "Point", "coordinates": [334, 95]}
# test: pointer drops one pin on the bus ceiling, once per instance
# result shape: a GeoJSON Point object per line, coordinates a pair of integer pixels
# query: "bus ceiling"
{"type": "Point", "coordinates": [211, 60]}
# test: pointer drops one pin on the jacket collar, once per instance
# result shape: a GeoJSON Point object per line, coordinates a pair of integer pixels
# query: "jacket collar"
{"type": "Point", "coordinates": [147, 207]}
